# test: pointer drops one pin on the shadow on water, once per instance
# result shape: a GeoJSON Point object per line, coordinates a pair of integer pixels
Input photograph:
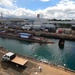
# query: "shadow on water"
{"type": "Point", "coordinates": [25, 42]}
{"type": "Point", "coordinates": [21, 42]}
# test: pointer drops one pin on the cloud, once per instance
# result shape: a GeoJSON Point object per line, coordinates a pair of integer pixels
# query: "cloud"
{"type": "Point", "coordinates": [8, 3]}
{"type": "Point", "coordinates": [19, 12]}
{"type": "Point", "coordinates": [45, 0]}
{"type": "Point", "coordinates": [65, 9]}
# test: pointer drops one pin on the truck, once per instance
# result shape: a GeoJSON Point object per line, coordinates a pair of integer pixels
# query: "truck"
{"type": "Point", "coordinates": [12, 57]}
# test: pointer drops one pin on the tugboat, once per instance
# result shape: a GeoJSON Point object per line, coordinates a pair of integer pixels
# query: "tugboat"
{"type": "Point", "coordinates": [61, 43]}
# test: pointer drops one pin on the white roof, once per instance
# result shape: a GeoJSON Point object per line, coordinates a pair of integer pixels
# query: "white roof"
{"type": "Point", "coordinates": [9, 54]}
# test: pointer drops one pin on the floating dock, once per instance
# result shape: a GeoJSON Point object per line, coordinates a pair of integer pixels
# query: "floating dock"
{"type": "Point", "coordinates": [34, 39]}
{"type": "Point", "coordinates": [32, 67]}
{"type": "Point", "coordinates": [64, 36]}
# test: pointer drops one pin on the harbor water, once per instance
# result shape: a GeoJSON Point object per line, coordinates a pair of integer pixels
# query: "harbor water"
{"type": "Point", "coordinates": [50, 53]}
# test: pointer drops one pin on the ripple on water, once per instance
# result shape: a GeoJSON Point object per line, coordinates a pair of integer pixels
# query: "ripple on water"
{"type": "Point", "coordinates": [46, 53]}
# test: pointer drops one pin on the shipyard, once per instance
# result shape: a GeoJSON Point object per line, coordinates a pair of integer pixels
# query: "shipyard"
{"type": "Point", "coordinates": [41, 34]}
{"type": "Point", "coordinates": [37, 37]}
{"type": "Point", "coordinates": [39, 27]}
{"type": "Point", "coordinates": [34, 33]}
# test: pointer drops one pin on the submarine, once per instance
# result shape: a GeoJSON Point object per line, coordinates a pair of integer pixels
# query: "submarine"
{"type": "Point", "coordinates": [61, 43]}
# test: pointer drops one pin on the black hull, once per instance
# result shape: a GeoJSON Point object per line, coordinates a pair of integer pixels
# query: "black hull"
{"type": "Point", "coordinates": [61, 43]}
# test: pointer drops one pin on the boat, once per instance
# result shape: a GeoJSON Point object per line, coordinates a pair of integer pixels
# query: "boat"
{"type": "Point", "coordinates": [61, 43]}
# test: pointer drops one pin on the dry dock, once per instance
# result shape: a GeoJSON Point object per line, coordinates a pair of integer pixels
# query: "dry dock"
{"type": "Point", "coordinates": [32, 67]}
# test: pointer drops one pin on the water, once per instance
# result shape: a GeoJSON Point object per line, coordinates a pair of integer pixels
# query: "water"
{"type": "Point", "coordinates": [46, 52]}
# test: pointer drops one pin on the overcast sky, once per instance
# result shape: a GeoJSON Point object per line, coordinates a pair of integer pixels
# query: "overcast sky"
{"type": "Point", "coordinates": [58, 9]}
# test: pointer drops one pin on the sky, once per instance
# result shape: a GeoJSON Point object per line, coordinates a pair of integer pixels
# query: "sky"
{"type": "Point", "coordinates": [50, 9]}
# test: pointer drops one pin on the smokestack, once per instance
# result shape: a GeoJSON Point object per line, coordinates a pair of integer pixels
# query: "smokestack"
{"type": "Point", "coordinates": [38, 15]}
